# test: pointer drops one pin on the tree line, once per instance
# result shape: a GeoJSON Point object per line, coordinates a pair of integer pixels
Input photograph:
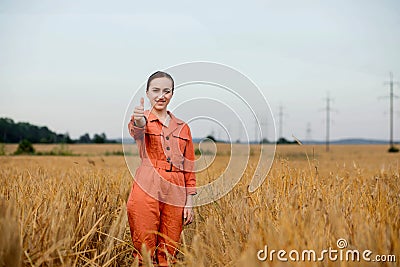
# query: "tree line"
{"type": "Point", "coordinates": [12, 132]}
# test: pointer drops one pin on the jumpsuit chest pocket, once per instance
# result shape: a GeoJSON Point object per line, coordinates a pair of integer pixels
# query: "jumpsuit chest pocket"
{"type": "Point", "coordinates": [153, 142]}
{"type": "Point", "coordinates": [180, 140]}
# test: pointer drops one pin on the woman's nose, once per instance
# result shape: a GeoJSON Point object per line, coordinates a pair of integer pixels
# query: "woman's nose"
{"type": "Point", "coordinates": [160, 96]}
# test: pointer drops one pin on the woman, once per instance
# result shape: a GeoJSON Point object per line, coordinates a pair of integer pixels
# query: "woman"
{"type": "Point", "coordinates": [160, 202]}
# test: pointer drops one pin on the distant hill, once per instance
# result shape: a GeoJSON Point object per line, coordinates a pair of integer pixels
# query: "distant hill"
{"type": "Point", "coordinates": [351, 141]}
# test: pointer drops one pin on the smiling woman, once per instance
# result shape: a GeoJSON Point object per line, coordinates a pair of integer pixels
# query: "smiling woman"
{"type": "Point", "coordinates": [160, 88]}
{"type": "Point", "coordinates": [160, 202]}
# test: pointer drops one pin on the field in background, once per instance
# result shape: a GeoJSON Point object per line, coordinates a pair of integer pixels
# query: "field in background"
{"type": "Point", "coordinates": [80, 149]}
{"type": "Point", "coordinates": [70, 210]}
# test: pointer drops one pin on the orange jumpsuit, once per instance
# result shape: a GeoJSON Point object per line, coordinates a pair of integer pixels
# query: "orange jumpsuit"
{"type": "Point", "coordinates": [162, 181]}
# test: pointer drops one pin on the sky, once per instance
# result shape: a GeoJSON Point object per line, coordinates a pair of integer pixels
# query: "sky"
{"type": "Point", "coordinates": [75, 66]}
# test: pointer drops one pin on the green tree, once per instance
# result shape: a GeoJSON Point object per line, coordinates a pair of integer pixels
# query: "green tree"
{"type": "Point", "coordinates": [67, 139]}
{"type": "Point", "coordinates": [85, 139]}
{"type": "Point", "coordinates": [265, 141]}
{"type": "Point", "coordinates": [25, 147]}
{"type": "Point", "coordinates": [211, 138]}
{"type": "Point", "coordinates": [283, 140]}
{"type": "Point", "coordinates": [11, 132]}
{"type": "Point", "coordinates": [99, 138]}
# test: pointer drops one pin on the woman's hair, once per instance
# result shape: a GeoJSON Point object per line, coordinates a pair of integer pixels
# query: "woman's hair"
{"type": "Point", "coordinates": [159, 74]}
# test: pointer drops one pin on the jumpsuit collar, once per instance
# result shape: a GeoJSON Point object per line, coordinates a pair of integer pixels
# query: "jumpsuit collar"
{"type": "Point", "coordinates": [174, 122]}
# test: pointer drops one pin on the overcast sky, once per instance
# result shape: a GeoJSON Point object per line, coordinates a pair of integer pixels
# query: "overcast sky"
{"type": "Point", "coordinates": [75, 65]}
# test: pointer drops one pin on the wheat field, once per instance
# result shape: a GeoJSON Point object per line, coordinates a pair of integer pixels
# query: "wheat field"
{"type": "Point", "coordinates": [70, 210]}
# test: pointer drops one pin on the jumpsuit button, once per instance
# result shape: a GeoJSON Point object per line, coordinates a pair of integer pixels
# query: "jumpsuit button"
{"type": "Point", "coordinates": [167, 147]}
{"type": "Point", "coordinates": [167, 137]}
{"type": "Point", "coordinates": [168, 159]}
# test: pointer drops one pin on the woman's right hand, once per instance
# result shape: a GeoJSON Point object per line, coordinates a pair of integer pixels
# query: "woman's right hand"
{"type": "Point", "coordinates": [138, 114]}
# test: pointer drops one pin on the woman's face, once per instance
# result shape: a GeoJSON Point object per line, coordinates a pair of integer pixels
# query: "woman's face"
{"type": "Point", "coordinates": [160, 93]}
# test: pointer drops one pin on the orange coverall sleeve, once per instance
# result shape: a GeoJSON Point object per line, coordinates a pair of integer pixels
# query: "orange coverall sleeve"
{"type": "Point", "coordinates": [189, 173]}
{"type": "Point", "coordinates": [136, 132]}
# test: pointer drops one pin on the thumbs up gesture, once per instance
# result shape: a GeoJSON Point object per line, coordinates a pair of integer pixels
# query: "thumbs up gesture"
{"type": "Point", "coordinates": [138, 114]}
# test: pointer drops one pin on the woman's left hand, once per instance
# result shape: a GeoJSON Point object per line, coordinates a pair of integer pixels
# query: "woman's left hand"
{"type": "Point", "coordinates": [188, 215]}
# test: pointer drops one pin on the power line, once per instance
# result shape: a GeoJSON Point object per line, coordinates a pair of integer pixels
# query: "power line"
{"type": "Point", "coordinates": [258, 130]}
{"type": "Point", "coordinates": [239, 132]}
{"type": "Point", "coordinates": [308, 132]}
{"type": "Point", "coordinates": [328, 122]}
{"type": "Point", "coordinates": [281, 114]}
{"type": "Point", "coordinates": [255, 130]}
{"type": "Point", "coordinates": [391, 82]}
